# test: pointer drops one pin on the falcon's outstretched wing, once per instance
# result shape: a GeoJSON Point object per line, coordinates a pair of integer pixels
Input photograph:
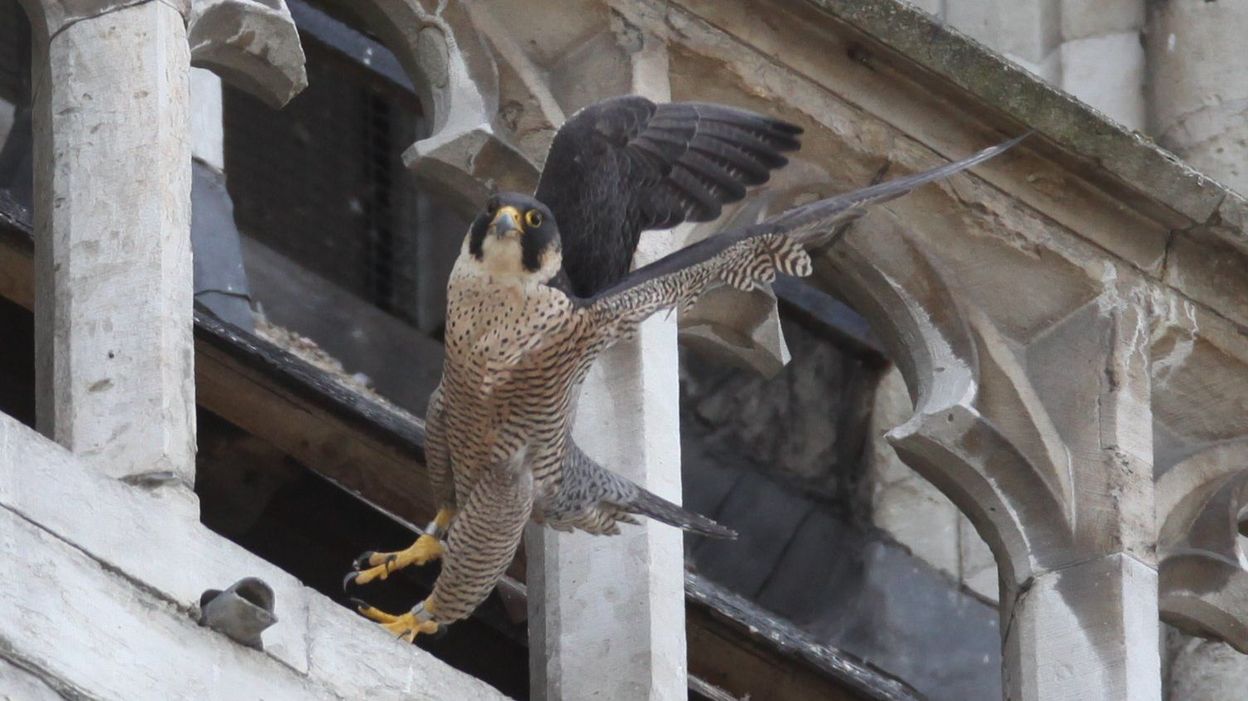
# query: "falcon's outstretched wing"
{"type": "Point", "coordinates": [748, 257]}
{"type": "Point", "coordinates": [625, 165]}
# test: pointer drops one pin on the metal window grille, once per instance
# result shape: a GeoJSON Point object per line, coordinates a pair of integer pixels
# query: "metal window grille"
{"type": "Point", "coordinates": [321, 181]}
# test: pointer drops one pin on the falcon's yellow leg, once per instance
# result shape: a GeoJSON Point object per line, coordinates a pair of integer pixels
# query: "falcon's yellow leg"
{"type": "Point", "coordinates": [427, 548]}
{"type": "Point", "coordinates": [406, 626]}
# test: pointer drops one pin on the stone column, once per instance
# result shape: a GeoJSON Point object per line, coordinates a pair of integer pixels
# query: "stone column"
{"type": "Point", "coordinates": [1084, 624]}
{"type": "Point", "coordinates": [1085, 631]}
{"type": "Point", "coordinates": [113, 341]}
{"type": "Point", "coordinates": [607, 615]}
{"type": "Point", "coordinates": [1198, 88]}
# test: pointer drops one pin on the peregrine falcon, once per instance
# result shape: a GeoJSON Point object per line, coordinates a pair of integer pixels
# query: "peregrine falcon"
{"type": "Point", "coordinates": [541, 287]}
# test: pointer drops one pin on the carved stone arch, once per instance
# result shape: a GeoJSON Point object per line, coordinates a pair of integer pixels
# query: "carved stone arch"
{"type": "Point", "coordinates": [1203, 570]}
{"type": "Point", "coordinates": [978, 432]}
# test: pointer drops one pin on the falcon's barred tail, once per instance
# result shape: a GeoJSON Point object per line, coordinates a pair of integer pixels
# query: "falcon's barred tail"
{"type": "Point", "coordinates": [660, 509]}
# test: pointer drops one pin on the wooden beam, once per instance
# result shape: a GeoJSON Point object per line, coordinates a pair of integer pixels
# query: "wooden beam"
{"type": "Point", "coordinates": [369, 447]}
{"type": "Point", "coordinates": [750, 653]}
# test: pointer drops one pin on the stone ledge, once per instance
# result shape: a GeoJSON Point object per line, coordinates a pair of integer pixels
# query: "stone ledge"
{"type": "Point", "coordinates": [1131, 159]}
{"type": "Point", "coordinates": [321, 645]}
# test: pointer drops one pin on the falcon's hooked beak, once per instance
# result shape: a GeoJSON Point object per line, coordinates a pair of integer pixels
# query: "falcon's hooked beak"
{"type": "Point", "coordinates": [506, 222]}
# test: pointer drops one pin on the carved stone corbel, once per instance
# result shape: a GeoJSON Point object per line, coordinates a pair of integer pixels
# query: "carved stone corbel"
{"type": "Point", "coordinates": [979, 432]}
{"type": "Point", "coordinates": [1203, 570]}
{"type": "Point", "coordinates": [251, 44]}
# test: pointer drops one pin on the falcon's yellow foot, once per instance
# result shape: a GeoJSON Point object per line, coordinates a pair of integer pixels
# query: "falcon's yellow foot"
{"type": "Point", "coordinates": [406, 626]}
{"type": "Point", "coordinates": [380, 565]}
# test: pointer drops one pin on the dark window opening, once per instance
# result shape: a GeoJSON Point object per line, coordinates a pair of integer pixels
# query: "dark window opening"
{"type": "Point", "coordinates": [17, 363]}
{"type": "Point", "coordinates": [322, 181]}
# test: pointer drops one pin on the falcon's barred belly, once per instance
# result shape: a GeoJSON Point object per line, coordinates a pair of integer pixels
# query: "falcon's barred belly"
{"type": "Point", "coordinates": [540, 290]}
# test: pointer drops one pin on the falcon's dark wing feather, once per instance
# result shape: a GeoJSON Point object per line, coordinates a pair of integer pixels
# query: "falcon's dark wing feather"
{"type": "Point", "coordinates": [747, 257]}
{"type": "Point", "coordinates": [626, 165]}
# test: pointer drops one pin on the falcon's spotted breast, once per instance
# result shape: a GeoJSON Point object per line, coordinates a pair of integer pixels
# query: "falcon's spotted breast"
{"type": "Point", "coordinates": [541, 287]}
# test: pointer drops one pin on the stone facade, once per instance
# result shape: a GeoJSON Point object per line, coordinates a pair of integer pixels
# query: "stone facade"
{"type": "Point", "coordinates": [1067, 326]}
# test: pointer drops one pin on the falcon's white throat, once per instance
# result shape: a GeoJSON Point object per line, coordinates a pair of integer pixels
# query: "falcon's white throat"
{"type": "Point", "coordinates": [502, 259]}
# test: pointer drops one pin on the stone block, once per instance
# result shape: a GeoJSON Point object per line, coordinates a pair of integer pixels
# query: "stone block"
{"type": "Point", "coordinates": [1025, 28]}
{"type": "Point", "coordinates": [64, 614]}
{"type": "Point", "coordinates": [179, 559]}
{"type": "Point", "coordinates": [18, 684]}
{"type": "Point", "coordinates": [113, 258]}
{"type": "Point", "coordinates": [922, 519]}
{"type": "Point", "coordinates": [1107, 72]}
{"type": "Point", "coordinates": [1196, 59]}
{"type": "Point", "coordinates": [207, 133]}
{"type": "Point", "coordinates": [356, 659]}
{"type": "Point", "coordinates": [1209, 270]}
{"type": "Point", "coordinates": [1089, 18]}
{"type": "Point", "coordinates": [978, 568]}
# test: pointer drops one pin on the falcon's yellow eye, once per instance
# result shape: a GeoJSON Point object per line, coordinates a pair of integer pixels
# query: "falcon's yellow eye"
{"type": "Point", "coordinates": [533, 219]}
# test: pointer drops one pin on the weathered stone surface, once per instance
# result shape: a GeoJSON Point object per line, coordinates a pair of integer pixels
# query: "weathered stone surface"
{"type": "Point", "coordinates": [807, 423]}
{"type": "Point", "coordinates": [464, 167]}
{"type": "Point", "coordinates": [50, 17]}
{"type": "Point", "coordinates": [18, 683]}
{"type": "Point", "coordinates": [1204, 583]}
{"type": "Point", "coordinates": [1087, 18]}
{"type": "Point", "coordinates": [316, 650]}
{"type": "Point", "coordinates": [1107, 72]}
{"type": "Point", "coordinates": [253, 44]}
{"type": "Point", "coordinates": [1086, 631]}
{"type": "Point", "coordinates": [207, 134]}
{"type": "Point", "coordinates": [356, 659]}
{"type": "Point", "coordinates": [1204, 670]}
{"type": "Point", "coordinates": [113, 242]}
{"type": "Point", "coordinates": [123, 639]}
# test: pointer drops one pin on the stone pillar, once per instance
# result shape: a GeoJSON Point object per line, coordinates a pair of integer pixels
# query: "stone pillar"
{"type": "Point", "coordinates": [607, 615]}
{"type": "Point", "coordinates": [1085, 624]}
{"type": "Point", "coordinates": [1198, 89]}
{"type": "Point", "coordinates": [207, 112]}
{"type": "Point", "coordinates": [113, 278]}
{"type": "Point", "coordinates": [1087, 631]}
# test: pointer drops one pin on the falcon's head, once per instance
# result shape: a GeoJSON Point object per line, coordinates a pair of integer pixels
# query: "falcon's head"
{"type": "Point", "coordinates": [515, 236]}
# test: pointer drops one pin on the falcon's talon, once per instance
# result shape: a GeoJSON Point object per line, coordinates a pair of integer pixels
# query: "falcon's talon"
{"type": "Point", "coordinates": [362, 561]}
{"type": "Point", "coordinates": [406, 626]}
{"type": "Point", "coordinates": [374, 565]}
